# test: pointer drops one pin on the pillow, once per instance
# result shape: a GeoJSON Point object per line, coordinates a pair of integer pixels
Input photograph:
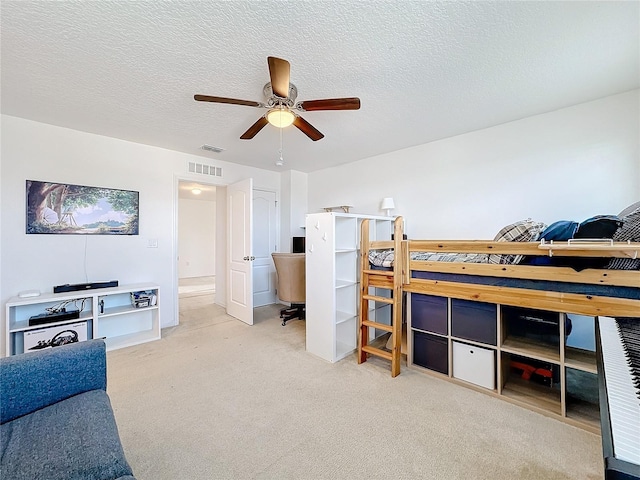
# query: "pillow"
{"type": "Point", "coordinates": [522, 231]}
{"type": "Point", "coordinates": [561, 230]}
{"type": "Point", "coordinates": [600, 226]}
{"type": "Point", "coordinates": [630, 209]}
{"type": "Point", "coordinates": [630, 230]}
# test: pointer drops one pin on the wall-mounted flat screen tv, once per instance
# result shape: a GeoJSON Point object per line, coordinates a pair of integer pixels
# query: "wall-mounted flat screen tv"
{"type": "Point", "coordinates": [62, 208]}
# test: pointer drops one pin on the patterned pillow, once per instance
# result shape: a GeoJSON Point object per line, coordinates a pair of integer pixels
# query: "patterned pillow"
{"type": "Point", "coordinates": [630, 230]}
{"type": "Point", "coordinates": [630, 209]}
{"type": "Point", "coordinates": [522, 231]}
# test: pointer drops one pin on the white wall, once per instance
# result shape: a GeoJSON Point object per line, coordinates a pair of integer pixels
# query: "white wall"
{"type": "Point", "coordinates": [196, 238]}
{"type": "Point", "coordinates": [38, 151]}
{"type": "Point", "coordinates": [299, 205]}
{"type": "Point", "coordinates": [293, 207]}
{"type": "Point", "coordinates": [569, 164]}
{"type": "Point", "coordinates": [221, 247]}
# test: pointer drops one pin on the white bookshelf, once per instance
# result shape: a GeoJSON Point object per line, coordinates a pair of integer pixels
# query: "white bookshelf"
{"type": "Point", "coordinates": [104, 312]}
{"type": "Point", "coordinates": [333, 281]}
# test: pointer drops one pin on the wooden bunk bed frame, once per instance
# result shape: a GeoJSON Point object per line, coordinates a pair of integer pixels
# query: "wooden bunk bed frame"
{"type": "Point", "coordinates": [543, 300]}
{"type": "Point", "coordinates": [400, 279]}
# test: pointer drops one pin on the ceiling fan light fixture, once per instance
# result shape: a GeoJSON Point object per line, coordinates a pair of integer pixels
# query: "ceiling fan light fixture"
{"type": "Point", "coordinates": [281, 95]}
{"type": "Point", "coordinates": [280, 117]}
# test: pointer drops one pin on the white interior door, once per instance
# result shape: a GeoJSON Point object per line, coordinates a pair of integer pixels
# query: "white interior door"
{"type": "Point", "coordinates": [264, 243]}
{"type": "Point", "coordinates": [240, 279]}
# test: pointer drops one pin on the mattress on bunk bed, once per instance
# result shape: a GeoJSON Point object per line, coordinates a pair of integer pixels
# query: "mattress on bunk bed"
{"type": "Point", "coordinates": [621, 228]}
{"type": "Point", "coordinates": [612, 291]}
{"type": "Point", "coordinates": [384, 258]}
{"type": "Point", "coordinates": [521, 231]}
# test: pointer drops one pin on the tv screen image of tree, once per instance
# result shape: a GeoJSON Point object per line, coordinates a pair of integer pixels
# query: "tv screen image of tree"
{"type": "Point", "coordinates": [60, 208]}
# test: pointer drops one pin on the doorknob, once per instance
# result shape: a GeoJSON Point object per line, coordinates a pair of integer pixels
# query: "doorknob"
{"type": "Point", "coordinates": [252, 258]}
{"type": "Point", "coordinates": [245, 258]}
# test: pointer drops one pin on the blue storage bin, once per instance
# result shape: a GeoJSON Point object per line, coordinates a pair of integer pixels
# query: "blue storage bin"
{"type": "Point", "coordinates": [476, 321]}
{"type": "Point", "coordinates": [431, 351]}
{"type": "Point", "coordinates": [429, 313]}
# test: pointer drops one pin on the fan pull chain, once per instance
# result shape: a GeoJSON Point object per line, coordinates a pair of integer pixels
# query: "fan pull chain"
{"type": "Point", "coordinates": [280, 161]}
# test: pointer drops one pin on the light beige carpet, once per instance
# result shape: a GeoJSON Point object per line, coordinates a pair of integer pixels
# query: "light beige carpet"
{"type": "Point", "coordinates": [218, 399]}
{"type": "Point", "coordinates": [194, 286]}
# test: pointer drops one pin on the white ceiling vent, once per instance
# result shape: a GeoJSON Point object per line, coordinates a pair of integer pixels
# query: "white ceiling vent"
{"type": "Point", "coordinates": [211, 148]}
{"type": "Point", "coordinates": [204, 169]}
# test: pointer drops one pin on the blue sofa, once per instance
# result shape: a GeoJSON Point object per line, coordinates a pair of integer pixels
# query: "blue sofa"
{"type": "Point", "coordinates": [56, 420]}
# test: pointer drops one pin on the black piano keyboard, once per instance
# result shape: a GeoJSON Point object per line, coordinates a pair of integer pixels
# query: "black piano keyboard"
{"type": "Point", "coordinates": [630, 335]}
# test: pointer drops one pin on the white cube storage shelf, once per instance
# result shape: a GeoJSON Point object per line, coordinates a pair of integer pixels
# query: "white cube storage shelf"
{"type": "Point", "coordinates": [333, 281]}
{"type": "Point", "coordinates": [474, 364]}
{"type": "Point", "coordinates": [496, 346]}
{"type": "Point", "coordinates": [107, 313]}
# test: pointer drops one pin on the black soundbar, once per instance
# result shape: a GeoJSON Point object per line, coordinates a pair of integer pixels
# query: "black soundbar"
{"type": "Point", "coordinates": [45, 318]}
{"type": "Point", "coordinates": [83, 286]}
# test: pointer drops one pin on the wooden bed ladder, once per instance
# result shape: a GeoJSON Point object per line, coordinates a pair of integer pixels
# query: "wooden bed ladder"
{"type": "Point", "coordinates": [382, 279]}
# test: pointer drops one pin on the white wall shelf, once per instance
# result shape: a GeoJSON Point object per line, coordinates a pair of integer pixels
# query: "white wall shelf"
{"type": "Point", "coordinates": [121, 324]}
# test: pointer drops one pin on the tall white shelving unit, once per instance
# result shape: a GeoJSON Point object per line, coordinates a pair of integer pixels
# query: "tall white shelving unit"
{"type": "Point", "coordinates": [333, 281]}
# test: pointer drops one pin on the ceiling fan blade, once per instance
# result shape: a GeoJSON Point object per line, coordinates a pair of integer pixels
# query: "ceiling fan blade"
{"type": "Point", "coordinates": [279, 70]}
{"type": "Point", "coordinates": [233, 101]}
{"type": "Point", "coordinates": [352, 103]}
{"type": "Point", "coordinates": [254, 129]}
{"type": "Point", "coordinates": [308, 129]}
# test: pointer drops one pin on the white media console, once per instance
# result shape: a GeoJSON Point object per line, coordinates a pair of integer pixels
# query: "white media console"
{"type": "Point", "coordinates": [107, 313]}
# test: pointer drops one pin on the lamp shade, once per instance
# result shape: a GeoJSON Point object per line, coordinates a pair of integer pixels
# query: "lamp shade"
{"type": "Point", "coordinates": [280, 118]}
{"type": "Point", "coordinates": [387, 204]}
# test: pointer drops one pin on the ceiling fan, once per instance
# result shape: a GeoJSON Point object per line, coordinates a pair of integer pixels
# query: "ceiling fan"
{"type": "Point", "coordinates": [281, 97]}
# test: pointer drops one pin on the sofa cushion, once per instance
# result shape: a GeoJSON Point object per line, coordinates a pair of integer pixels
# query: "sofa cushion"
{"type": "Point", "coordinates": [54, 374]}
{"type": "Point", "coordinates": [76, 438]}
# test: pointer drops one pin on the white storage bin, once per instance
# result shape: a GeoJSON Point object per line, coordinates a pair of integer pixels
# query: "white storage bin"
{"type": "Point", "coordinates": [474, 365]}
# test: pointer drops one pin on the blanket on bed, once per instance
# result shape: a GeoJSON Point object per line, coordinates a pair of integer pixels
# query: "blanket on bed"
{"type": "Point", "coordinates": [384, 258]}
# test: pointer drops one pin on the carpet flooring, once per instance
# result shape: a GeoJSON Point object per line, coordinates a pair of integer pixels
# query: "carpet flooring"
{"type": "Point", "coordinates": [218, 399]}
{"type": "Point", "coordinates": [194, 286]}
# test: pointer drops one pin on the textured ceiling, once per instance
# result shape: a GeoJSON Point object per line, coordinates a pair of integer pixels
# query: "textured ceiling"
{"type": "Point", "coordinates": [423, 70]}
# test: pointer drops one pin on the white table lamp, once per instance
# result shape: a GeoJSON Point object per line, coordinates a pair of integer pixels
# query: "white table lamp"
{"type": "Point", "coordinates": [387, 204]}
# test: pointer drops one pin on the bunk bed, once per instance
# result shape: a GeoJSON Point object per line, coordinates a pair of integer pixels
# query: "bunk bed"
{"type": "Point", "coordinates": [455, 268]}
{"type": "Point", "coordinates": [455, 276]}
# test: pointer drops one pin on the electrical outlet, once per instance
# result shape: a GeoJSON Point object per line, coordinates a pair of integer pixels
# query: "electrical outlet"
{"type": "Point", "coordinates": [152, 243]}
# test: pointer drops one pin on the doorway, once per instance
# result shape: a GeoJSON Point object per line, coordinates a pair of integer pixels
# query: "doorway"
{"type": "Point", "coordinates": [198, 282]}
{"type": "Point", "coordinates": [196, 242]}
